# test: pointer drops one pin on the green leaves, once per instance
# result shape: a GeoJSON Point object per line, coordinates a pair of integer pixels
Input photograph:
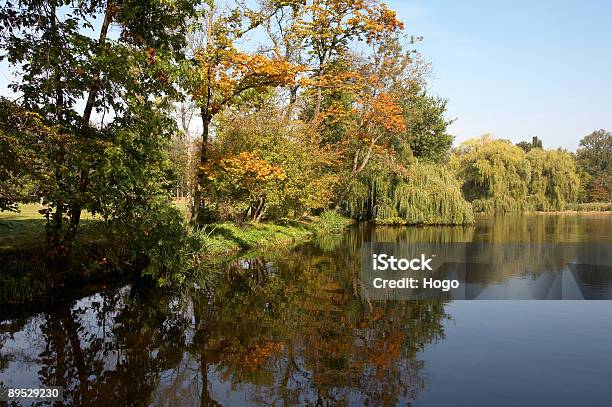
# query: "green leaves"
{"type": "Point", "coordinates": [500, 177]}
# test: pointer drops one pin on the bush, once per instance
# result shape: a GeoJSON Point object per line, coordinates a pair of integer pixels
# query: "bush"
{"type": "Point", "coordinates": [329, 223]}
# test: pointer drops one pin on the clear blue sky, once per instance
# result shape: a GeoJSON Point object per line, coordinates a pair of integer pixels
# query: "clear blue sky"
{"type": "Point", "coordinates": [518, 68]}
{"type": "Point", "coordinates": [513, 69]}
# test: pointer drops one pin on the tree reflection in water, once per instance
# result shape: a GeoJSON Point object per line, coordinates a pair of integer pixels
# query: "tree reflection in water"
{"type": "Point", "coordinates": [288, 330]}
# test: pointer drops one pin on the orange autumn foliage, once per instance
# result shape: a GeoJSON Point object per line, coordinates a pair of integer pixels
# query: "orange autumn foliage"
{"type": "Point", "coordinates": [225, 74]}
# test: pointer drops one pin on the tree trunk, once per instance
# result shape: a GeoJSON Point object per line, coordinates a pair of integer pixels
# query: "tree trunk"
{"type": "Point", "coordinates": [260, 211]}
{"type": "Point", "coordinates": [293, 90]}
{"type": "Point", "coordinates": [357, 168]}
{"type": "Point", "coordinates": [54, 232]}
{"type": "Point", "coordinates": [77, 207]}
{"type": "Point", "coordinates": [317, 108]}
{"type": "Point", "coordinates": [319, 99]}
{"type": "Point", "coordinates": [200, 179]}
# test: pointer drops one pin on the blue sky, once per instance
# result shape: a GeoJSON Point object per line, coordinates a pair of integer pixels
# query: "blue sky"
{"type": "Point", "coordinates": [518, 68]}
{"type": "Point", "coordinates": [514, 69]}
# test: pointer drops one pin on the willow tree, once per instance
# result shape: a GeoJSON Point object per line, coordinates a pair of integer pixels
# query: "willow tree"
{"type": "Point", "coordinates": [554, 180]}
{"type": "Point", "coordinates": [220, 74]}
{"type": "Point", "coordinates": [495, 174]}
{"type": "Point", "coordinates": [415, 193]}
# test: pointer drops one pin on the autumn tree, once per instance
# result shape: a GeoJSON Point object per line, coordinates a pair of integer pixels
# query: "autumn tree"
{"type": "Point", "coordinates": [371, 120]}
{"type": "Point", "coordinates": [220, 74]}
{"type": "Point", "coordinates": [264, 164]}
{"type": "Point", "coordinates": [326, 29]}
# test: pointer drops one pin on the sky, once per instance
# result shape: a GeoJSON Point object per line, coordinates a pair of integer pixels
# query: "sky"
{"type": "Point", "coordinates": [513, 69]}
{"type": "Point", "coordinates": [516, 69]}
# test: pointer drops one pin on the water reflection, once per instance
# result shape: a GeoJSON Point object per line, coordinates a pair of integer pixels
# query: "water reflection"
{"type": "Point", "coordinates": [282, 338]}
{"type": "Point", "coordinates": [287, 329]}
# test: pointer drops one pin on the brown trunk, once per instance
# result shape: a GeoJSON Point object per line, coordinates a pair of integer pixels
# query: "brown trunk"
{"type": "Point", "coordinates": [54, 240]}
{"type": "Point", "coordinates": [317, 108]}
{"type": "Point", "coordinates": [357, 168]}
{"type": "Point", "coordinates": [72, 334]}
{"type": "Point", "coordinates": [200, 179]}
{"type": "Point", "coordinates": [77, 207]}
{"type": "Point", "coordinates": [292, 101]}
{"type": "Point", "coordinates": [319, 99]}
{"type": "Point", "coordinates": [95, 86]}
{"type": "Point", "coordinates": [260, 211]}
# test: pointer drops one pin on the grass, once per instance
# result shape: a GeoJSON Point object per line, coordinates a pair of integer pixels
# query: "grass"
{"type": "Point", "coordinates": [26, 228]}
{"type": "Point", "coordinates": [591, 207]}
{"type": "Point", "coordinates": [21, 229]}
{"type": "Point", "coordinates": [224, 238]}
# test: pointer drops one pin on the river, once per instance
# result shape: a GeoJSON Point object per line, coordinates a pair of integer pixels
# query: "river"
{"type": "Point", "coordinates": [290, 327]}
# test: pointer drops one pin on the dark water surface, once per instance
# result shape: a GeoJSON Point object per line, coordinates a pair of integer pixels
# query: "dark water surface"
{"type": "Point", "coordinates": [292, 329]}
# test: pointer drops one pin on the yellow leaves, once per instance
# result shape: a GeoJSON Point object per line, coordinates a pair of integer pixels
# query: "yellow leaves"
{"type": "Point", "coordinates": [247, 168]}
{"type": "Point", "coordinates": [331, 22]}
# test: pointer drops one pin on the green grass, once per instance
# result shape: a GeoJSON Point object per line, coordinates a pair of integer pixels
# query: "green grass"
{"type": "Point", "coordinates": [225, 238]}
{"type": "Point", "coordinates": [26, 228]}
{"type": "Point", "coordinates": [591, 207]}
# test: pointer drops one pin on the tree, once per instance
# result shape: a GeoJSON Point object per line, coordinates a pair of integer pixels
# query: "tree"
{"type": "Point", "coordinates": [494, 173]}
{"type": "Point", "coordinates": [220, 74]}
{"type": "Point", "coordinates": [554, 180]}
{"type": "Point", "coordinates": [500, 177]}
{"type": "Point", "coordinates": [326, 28]}
{"type": "Point", "coordinates": [23, 136]}
{"type": "Point", "coordinates": [595, 158]}
{"type": "Point", "coordinates": [264, 164]}
{"type": "Point", "coordinates": [426, 128]}
{"type": "Point", "coordinates": [61, 61]}
{"type": "Point", "coordinates": [527, 146]}
{"type": "Point", "coordinates": [370, 121]}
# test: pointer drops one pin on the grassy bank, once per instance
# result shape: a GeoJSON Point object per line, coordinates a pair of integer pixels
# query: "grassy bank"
{"type": "Point", "coordinates": [95, 256]}
{"type": "Point", "coordinates": [591, 207]}
{"type": "Point", "coordinates": [227, 238]}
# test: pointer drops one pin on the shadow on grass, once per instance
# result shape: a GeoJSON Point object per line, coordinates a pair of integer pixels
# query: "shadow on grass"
{"type": "Point", "coordinates": [25, 273]}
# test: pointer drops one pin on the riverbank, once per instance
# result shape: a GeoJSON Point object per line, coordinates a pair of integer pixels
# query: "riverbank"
{"type": "Point", "coordinates": [25, 275]}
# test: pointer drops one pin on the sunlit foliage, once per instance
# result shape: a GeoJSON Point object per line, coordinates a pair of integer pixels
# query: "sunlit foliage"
{"type": "Point", "coordinates": [265, 164]}
{"type": "Point", "coordinates": [498, 176]}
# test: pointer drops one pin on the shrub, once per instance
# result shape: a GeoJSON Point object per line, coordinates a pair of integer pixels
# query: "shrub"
{"type": "Point", "coordinates": [329, 223]}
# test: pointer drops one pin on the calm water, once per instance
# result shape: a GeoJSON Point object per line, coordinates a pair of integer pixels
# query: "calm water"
{"type": "Point", "coordinates": [291, 329]}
